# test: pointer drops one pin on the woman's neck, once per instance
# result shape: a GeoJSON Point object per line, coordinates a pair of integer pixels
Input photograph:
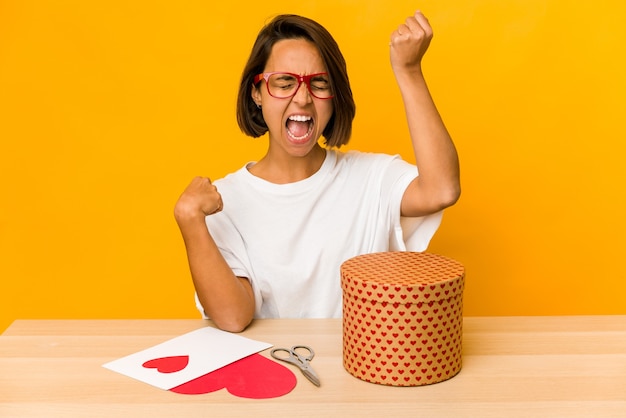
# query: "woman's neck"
{"type": "Point", "coordinates": [283, 169]}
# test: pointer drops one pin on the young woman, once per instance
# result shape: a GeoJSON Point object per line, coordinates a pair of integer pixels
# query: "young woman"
{"type": "Point", "coordinates": [267, 241]}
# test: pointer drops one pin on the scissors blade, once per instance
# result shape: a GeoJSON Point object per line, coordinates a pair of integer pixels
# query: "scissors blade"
{"type": "Point", "coordinates": [311, 375]}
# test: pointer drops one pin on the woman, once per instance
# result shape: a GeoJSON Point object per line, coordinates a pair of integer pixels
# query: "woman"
{"type": "Point", "coordinates": [268, 240]}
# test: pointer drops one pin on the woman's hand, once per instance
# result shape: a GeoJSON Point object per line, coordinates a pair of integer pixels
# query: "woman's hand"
{"type": "Point", "coordinates": [199, 199]}
{"type": "Point", "coordinates": [409, 43]}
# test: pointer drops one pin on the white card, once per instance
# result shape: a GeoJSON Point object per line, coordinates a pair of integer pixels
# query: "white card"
{"type": "Point", "coordinates": [165, 366]}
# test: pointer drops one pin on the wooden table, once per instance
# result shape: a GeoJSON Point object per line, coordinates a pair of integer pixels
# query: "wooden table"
{"type": "Point", "coordinates": [512, 367]}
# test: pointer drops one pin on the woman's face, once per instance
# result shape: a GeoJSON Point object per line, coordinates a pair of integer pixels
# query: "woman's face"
{"type": "Point", "coordinates": [295, 124]}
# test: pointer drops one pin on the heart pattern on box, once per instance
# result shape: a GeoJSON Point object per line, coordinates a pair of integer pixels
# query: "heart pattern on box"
{"type": "Point", "coordinates": [402, 318]}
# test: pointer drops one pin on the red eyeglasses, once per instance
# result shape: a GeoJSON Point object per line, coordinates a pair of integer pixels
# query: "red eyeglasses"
{"type": "Point", "coordinates": [285, 85]}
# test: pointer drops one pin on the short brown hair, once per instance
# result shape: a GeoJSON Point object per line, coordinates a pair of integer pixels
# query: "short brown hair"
{"type": "Point", "coordinates": [250, 118]}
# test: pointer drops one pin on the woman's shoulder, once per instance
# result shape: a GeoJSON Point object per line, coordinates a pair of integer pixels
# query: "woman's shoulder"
{"type": "Point", "coordinates": [354, 157]}
{"type": "Point", "coordinates": [235, 178]}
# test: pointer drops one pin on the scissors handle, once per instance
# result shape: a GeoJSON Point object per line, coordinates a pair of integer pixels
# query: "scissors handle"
{"type": "Point", "coordinates": [308, 357]}
{"type": "Point", "coordinates": [281, 357]}
{"type": "Point", "coordinates": [293, 356]}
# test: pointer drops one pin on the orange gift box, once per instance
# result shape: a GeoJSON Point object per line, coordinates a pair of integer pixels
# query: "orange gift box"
{"type": "Point", "coordinates": [402, 317]}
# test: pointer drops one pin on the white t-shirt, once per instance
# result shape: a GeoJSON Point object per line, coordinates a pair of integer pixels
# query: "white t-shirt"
{"type": "Point", "coordinates": [289, 240]}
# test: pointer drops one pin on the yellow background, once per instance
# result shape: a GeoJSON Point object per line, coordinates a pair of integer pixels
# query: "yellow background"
{"type": "Point", "coordinates": [109, 108]}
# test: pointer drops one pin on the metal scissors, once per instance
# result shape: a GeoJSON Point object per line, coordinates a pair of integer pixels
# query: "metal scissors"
{"type": "Point", "coordinates": [300, 360]}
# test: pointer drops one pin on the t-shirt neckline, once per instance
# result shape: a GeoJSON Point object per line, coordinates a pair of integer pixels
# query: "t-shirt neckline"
{"type": "Point", "coordinates": [327, 165]}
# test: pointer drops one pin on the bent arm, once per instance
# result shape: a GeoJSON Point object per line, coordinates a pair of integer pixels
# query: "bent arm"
{"type": "Point", "coordinates": [227, 299]}
{"type": "Point", "coordinates": [438, 183]}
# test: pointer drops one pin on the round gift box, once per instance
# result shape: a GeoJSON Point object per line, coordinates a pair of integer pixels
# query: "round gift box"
{"type": "Point", "coordinates": [402, 317]}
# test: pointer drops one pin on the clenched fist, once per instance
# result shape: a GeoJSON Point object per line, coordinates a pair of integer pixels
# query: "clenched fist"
{"type": "Point", "coordinates": [199, 199]}
{"type": "Point", "coordinates": [409, 43]}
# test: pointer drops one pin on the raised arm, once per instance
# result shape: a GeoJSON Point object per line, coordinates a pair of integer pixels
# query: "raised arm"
{"type": "Point", "coordinates": [227, 299]}
{"type": "Point", "coordinates": [438, 183]}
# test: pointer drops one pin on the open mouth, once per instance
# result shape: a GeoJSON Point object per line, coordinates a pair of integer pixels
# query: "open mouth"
{"type": "Point", "coordinates": [299, 127]}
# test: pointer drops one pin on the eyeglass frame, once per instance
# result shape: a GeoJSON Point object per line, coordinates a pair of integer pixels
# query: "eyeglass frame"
{"type": "Point", "coordinates": [306, 79]}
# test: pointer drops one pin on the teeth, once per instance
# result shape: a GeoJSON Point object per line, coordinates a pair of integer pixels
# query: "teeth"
{"type": "Point", "coordinates": [300, 118]}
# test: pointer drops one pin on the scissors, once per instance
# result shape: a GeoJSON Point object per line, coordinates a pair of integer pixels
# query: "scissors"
{"type": "Point", "coordinates": [300, 360]}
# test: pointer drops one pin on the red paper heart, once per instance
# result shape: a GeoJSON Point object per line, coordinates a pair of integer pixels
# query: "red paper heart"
{"type": "Point", "coordinates": [255, 377]}
{"type": "Point", "coordinates": [171, 364]}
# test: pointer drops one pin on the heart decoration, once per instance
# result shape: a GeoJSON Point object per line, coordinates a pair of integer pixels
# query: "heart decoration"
{"type": "Point", "coordinates": [170, 364]}
{"type": "Point", "coordinates": [402, 317]}
{"type": "Point", "coordinates": [254, 377]}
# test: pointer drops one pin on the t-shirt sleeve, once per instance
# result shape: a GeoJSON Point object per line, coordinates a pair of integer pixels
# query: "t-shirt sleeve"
{"type": "Point", "coordinates": [407, 233]}
{"type": "Point", "coordinates": [232, 247]}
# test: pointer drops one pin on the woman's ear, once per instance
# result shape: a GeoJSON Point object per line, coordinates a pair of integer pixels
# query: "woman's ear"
{"type": "Point", "coordinates": [256, 95]}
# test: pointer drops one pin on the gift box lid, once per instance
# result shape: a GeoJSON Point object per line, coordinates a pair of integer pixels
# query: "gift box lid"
{"type": "Point", "coordinates": [402, 277]}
